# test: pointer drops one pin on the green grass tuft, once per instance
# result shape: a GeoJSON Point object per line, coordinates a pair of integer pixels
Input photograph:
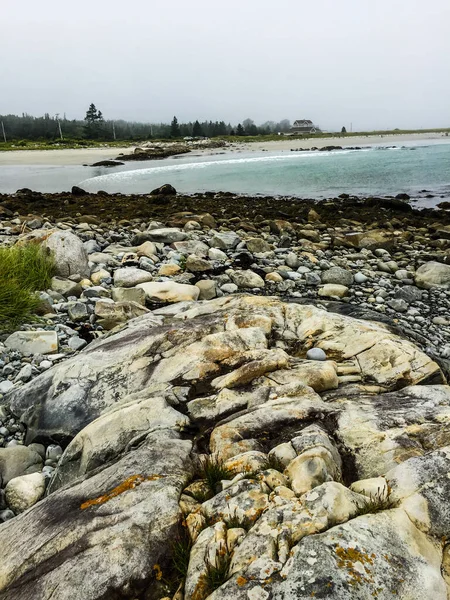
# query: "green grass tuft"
{"type": "Point", "coordinates": [24, 270]}
{"type": "Point", "coordinates": [376, 502]}
{"type": "Point", "coordinates": [217, 570]}
{"type": "Point", "coordinates": [181, 552]}
{"type": "Point", "coordinates": [212, 470]}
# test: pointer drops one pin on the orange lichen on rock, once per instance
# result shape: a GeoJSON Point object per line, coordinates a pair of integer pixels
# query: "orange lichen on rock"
{"type": "Point", "coordinates": [349, 558]}
{"type": "Point", "coordinates": [128, 484]}
{"type": "Point", "coordinates": [158, 572]}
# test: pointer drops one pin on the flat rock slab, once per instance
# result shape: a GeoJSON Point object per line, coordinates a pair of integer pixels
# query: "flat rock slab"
{"type": "Point", "coordinates": [104, 535]}
{"type": "Point", "coordinates": [33, 342]}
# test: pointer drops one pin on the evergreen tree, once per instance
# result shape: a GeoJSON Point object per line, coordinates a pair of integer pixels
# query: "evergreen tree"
{"type": "Point", "coordinates": [174, 128]}
{"type": "Point", "coordinates": [343, 130]}
{"type": "Point", "coordinates": [240, 130]}
{"type": "Point", "coordinates": [197, 130]}
{"type": "Point", "coordinates": [93, 128]}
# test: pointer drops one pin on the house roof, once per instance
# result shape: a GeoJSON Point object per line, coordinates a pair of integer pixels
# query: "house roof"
{"type": "Point", "coordinates": [303, 123]}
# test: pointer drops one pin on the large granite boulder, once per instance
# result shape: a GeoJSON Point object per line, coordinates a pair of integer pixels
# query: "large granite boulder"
{"type": "Point", "coordinates": [66, 248]}
{"type": "Point", "coordinates": [201, 430]}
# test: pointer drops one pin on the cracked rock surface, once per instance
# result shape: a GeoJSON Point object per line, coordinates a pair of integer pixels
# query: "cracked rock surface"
{"type": "Point", "coordinates": [206, 457]}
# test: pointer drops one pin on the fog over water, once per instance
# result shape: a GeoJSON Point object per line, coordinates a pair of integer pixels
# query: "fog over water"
{"type": "Point", "coordinates": [376, 65]}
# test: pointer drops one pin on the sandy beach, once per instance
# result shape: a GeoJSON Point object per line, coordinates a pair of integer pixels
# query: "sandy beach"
{"type": "Point", "coordinates": [90, 155]}
{"type": "Point", "coordinates": [78, 156]}
{"type": "Point", "coordinates": [289, 143]}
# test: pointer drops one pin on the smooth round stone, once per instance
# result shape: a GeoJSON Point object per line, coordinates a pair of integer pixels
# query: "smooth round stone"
{"type": "Point", "coordinates": [360, 278]}
{"type": "Point", "coordinates": [316, 354]}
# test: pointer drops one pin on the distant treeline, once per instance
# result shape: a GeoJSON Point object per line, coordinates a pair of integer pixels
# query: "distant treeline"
{"type": "Point", "coordinates": [95, 126]}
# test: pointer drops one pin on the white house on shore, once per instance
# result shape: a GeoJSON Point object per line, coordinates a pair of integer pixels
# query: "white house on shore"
{"type": "Point", "coordinates": [305, 127]}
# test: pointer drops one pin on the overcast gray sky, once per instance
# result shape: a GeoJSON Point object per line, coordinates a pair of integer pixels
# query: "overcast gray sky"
{"type": "Point", "coordinates": [376, 63]}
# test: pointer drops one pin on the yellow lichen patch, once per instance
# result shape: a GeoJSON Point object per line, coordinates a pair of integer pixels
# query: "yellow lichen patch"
{"type": "Point", "coordinates": [128, 484]}
{"type": "Point", "coordinates": [158, 572]}
{"type": "Point", "coordinates": [357, 564]}
{"type": "Point", "coordinates": [241, 581]}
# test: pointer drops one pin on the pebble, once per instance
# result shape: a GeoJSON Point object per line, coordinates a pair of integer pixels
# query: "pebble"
{"type": "Point", "coordinates": [316, 354]}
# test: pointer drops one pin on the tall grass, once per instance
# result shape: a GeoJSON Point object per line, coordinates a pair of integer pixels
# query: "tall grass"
{"type": "Point", "coordinates": [24, 270]}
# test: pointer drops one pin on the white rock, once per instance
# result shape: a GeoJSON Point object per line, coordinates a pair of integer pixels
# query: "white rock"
{"type": "Point", "coordinates": [247, 279]}
{"type": "Point", "coordinates": [169, 291]}
{"type": "Point", "coordinates": [216, 254]}
{"type": "Point", "coordinates": [333, 290]}
{"type": "Point", "coordinates": [22, 492]}
{"type": "Point", "coordinates": [33, 342]}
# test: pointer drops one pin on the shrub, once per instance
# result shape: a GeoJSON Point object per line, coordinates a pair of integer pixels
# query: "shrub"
{"type": "Point", "coordinates": [24, 270]}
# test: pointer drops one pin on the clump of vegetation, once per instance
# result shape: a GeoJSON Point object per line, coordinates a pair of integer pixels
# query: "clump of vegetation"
{"type": "Point", "coordinates": [212, 469]}
{"type": "Point", "coordinates": [217, 571]}
{"type": "Point", "coordinates": [181, 552]}
{"type": "Point", "coordinates": [376, 502]}
{"type": "Point", "coordinates": [24, 270]}
{"type": "Point", "coordinates": [273, 462]}
{"type": "Point", "coordinates": [233, 520]}
{"type": "Point", "coordinates": [202, 495]}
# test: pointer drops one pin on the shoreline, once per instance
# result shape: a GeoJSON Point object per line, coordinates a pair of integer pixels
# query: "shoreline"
{"type": "Point", "coordinates": [80, 156]}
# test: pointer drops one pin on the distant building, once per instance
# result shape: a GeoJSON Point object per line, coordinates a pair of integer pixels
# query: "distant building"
{"type": "Point", "coordinates": [305, 127]}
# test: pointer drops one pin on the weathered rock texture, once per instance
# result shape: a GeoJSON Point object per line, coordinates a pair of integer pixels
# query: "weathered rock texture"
{"type": "Point", "coordinates": [208, 418]}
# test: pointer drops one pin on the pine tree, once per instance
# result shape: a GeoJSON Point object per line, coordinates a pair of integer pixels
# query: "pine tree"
{"type": "Point", "coordinates": [93, 129]}
{"type": "Point", "coordinates": [343, 130]}
{"type": "Point", "coordinates": [174, 128]}
{"type": "Point", "coordinates": [197, 130]}
{"type": "Point", "coordinates": [240, 130]}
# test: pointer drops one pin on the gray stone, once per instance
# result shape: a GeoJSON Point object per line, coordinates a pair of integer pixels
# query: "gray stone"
{"type": "Point", "coordinates": [77, 311]}
{"type": "Point", "coordinates": [68, 252]}
{"type": "Point", "coordinates": [337, 275]}
{"type": "Point", "coordinates": [316, 354]}
{"type": "Point", "coordinates": [433, 274]}
{"type": "Point", "coordinates": [224, 240]}
{"type": "Point", "coordinates": [398, 305]}
{"type": "Point", "coordinates": [18, 460]}
{"type": "Point", "coordinates": [257, 245]}
{"type": "Point", "coordinates": [66, 287]}
{"type": "Point", "coordinates": [166, 235]}
{"type": "Point", "coordinates": [128, 277]}
{"type": "Point", "coordinates": [25, 373]}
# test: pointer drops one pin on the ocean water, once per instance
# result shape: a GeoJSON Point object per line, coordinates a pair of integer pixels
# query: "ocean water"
{"type": "Point", "coordinates": [417, 169]}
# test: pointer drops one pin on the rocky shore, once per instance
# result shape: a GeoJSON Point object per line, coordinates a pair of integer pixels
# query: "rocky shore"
{"type": "Point", "coordinates": [227, 397]}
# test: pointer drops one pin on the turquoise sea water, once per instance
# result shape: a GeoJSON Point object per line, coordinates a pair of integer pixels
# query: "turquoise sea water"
{"type": "Point", "coordinates": [375, 170]}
